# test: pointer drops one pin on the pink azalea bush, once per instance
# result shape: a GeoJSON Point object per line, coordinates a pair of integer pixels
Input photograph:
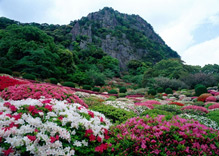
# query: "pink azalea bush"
{"type": "Point", "coordinates": [157, 136]}
{"type": "Point", "coordinates": [211, 99]}
{"type": "Point", "coordinates": [197, 108]}
{"type": "Point", "coordinates": [36, 91]}
{"type": "Point", "coordinates": [50, 127]}
{"type": "Point", "coordinates": [214, 106]}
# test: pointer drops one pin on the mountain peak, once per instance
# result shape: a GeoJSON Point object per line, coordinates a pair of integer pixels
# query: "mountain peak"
{"type": "Point", "coordinates": [125, 37]}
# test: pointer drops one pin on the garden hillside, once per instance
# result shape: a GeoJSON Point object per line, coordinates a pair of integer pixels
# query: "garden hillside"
{"type": "Point", "coordinates": [41, 118]}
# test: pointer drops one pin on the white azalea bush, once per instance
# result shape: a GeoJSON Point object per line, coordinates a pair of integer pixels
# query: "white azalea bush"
{"type": "Point", "coordinates": [51, 127]}
{"type": "Point", "coordinates": [204, 120]}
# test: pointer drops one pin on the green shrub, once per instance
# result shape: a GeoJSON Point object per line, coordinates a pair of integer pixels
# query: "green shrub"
{"type": "Point", "coordinates": [87, 87]}
{"type": "Point", "coordinates": [199, 103]}
{"type": "Point", "coordinates": [155, 112]}
{"type": "Point", "coordinates": [160, 90]}
{"type": "Point", "coordinates": [214, 115]}
{"type": "Point", "coordinates": [175, 110]}
{"type": "Point", "coordinates": [122, 90]}
{"type": "Point", "coordinates": [141, 91]}
{"type": "Point", "coordinates": [208, 105]}
{"type": "Point", "coordinates": [96, 89]}
{"type": "Point", "coordinates": [69, 84]}
{"type": "Point", "coordinates": [152, 92]}
{"type": "Point", "coordinates": [111, 98]}
{"type": "Point", "coordinates": [122, 94]}
{"type": "Point", "coordinates": [199, 85]}
{"type": "Point", "coordinates": [113, 91]}
{"type": "Point", "coordinates": [168, 91]}
{"type": "Point", "coordinates": [99, 82]}
{"type": "Point", "coordinates": [5, 71]}
{"type": "Point", "coordinates": [29, 76]}
{"type": "Point", "coordinates": [200, 90]}
{"type": "Point", "coordinates": [116, 115]}
{"type": "Point", "coordinates": [93, 101]}
{"type": "Point", "coordinates": [53, 80]}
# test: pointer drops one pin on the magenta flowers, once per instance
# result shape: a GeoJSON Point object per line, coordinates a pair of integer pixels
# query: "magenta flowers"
{"type": "Point", "coordinates": [156, 136]}
{"type": "Point", "coordinates": [36, 91]}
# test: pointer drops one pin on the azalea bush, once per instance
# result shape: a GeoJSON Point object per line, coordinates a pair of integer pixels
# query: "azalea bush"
{"type": "Point", "coordinates": [156, 112]}
{"type": "Point", "coordinates": [203, 120]}
{"type": "Point", "coordinates": [176, 103]}
{"type": "Point", "coordinates": [50, 127]}
{"type": "Point", "coordinates": [6, 81]}
{"type": "Point", "coordinates": [214, 106]}
{"type": "Point", "coordinates": [170, 108]}
{"type": "Point", "coordinates": [116, 115]}
{"type": "Point", "coordinates": [157, 136]}
{"type": "Point", "coordinates": [36, 91]}
{"type": "Point", "coordinates": [198, 110]}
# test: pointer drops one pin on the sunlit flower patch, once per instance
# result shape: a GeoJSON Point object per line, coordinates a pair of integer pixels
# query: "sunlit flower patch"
{"type": "Point", "coordinates": [36, 91]}
{"type": "Point", "coordinates": [50, 127]}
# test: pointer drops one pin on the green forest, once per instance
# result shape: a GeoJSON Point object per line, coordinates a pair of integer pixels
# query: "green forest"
{"type": "Point", "coordinates": [43, 51]}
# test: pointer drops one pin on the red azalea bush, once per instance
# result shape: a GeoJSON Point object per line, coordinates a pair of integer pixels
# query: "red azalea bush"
{"type": "Point", "coordinates": [157, 136]}
{"type": "Point", "coordinates": [203, 97]}
{"type": "Point", "coordinates": [198, 108]}
{"type": "Point", "coordinates": [6, 81]}
{"type": "Point", "coordinates": [214, 106]}
{"type": "Point", "coordinates": [211, 99]}
{"type": "Point", "coordinates": [36, 91]}
{"type": "Point", "coordinates": [176, 103]}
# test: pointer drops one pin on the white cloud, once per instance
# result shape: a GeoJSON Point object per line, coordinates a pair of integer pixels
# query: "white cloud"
{"type": "Point", "coordinates": [204, 53]}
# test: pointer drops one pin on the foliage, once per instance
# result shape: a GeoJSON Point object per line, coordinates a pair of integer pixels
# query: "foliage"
{"type": "Point", "coordinates": [29, 76]}
{"type": "Point", "coordinates": [165, 82]}
{"type": "Point", "coordinates": [36, 91]}
{"type": "Point", "coordinates": [5, 71]}
{"type": "Point", "coordinates": [48, 127]}
{"type": "Point", "coordinates": [116, 115]}
{"type": "Point", "coordinates": [199, 78]}
{"type": "Point", "coordinates": [122, 90]}
{"type": "Point", "coordinates": [170, 108]}
{"type": "Point", "coordinates": [160, 90]}
{"type": "Point", "coordinates": [96, 89]}
{"type": "Point", "coordinates": [53, 80]}
{"type": "Point", "coordinates": [199, 103]}
{"type": "Point", "coordinates": [214, 115]}
{"type": "Point", "coordinates": [87, 87]}
{"type": "Point", "coordinates": [157, 136]}
{"type": "Point", "coordinates": [152, 91]}
{"type": "Point", "coordinates": [156, 112]}
{"type": "Point", "coordinates": [122, 94]}
{"type": "Point", "coordinates": [69, 84]}
{"type": "Point", "coordinates": [168, 91]}
{"type": "Point", "coordinates": [113, 91]}
{"type": "Point", "coordinates": [140, 91]}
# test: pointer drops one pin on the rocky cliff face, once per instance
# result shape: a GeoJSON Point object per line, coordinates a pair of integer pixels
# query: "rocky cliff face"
{"type": "Point", "coordinates": [122, 36]}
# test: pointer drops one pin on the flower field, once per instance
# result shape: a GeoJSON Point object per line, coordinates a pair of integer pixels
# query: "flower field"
{"type": "Point", "coordinates": [44, 119]}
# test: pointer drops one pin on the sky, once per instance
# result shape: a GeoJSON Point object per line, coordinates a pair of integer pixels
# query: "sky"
{"type": "Point", "coordinates": [190, 27]}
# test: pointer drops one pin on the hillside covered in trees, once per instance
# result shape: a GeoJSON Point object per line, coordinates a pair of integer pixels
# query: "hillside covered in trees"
{"type": "Point", "coordinates": [103, 45]}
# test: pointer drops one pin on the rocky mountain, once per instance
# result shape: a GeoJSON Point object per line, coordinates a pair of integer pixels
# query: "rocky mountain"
{"type": "Point", "coordinates": [122, 36]}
